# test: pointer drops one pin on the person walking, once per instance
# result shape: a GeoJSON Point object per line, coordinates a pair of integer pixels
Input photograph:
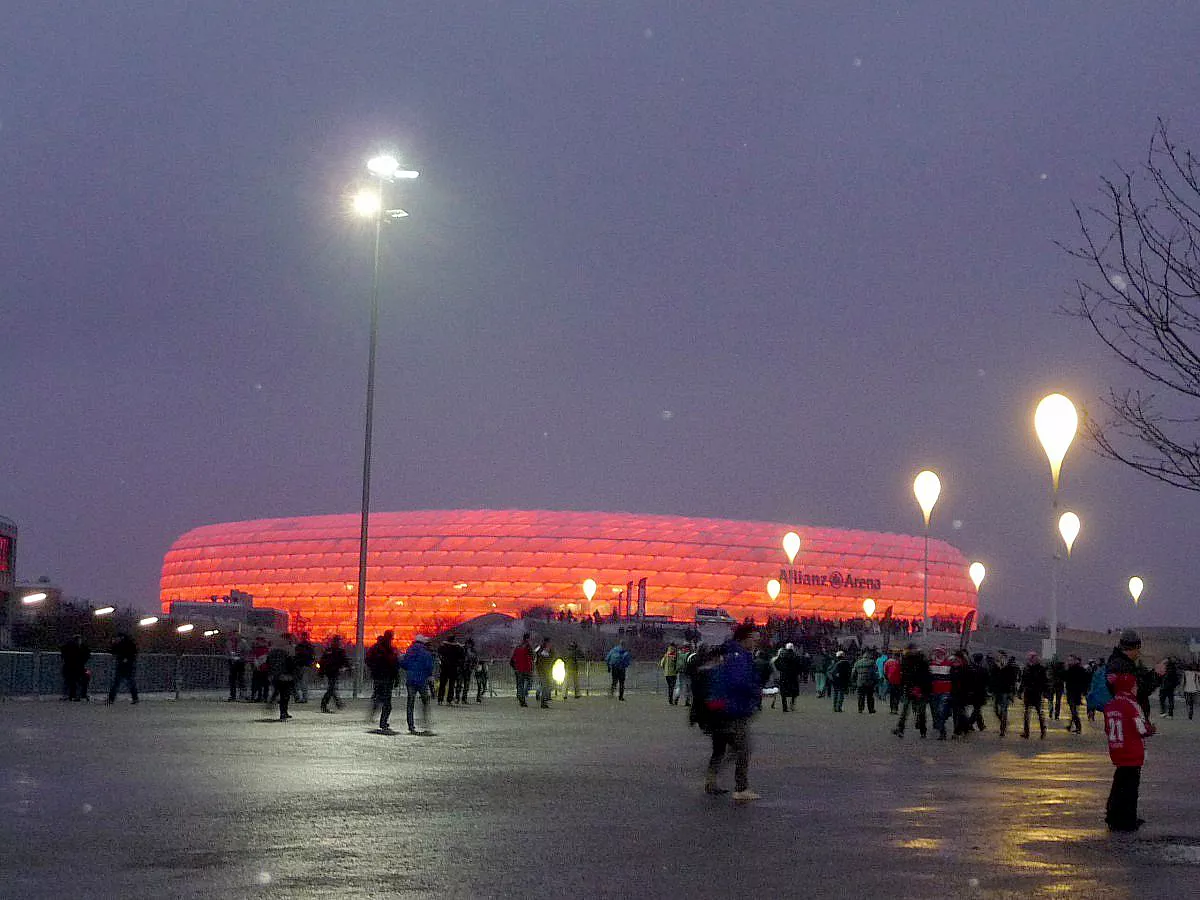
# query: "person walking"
{"type": "Point", "coordinates": [236, 650]}
{"type": "Point", "coordinates": [281, 668]}
{"type": "Point", "coordinates": [481, 678]}
{"type": "Point", "coordinates": [839, 680]}
{"type": "Point", "coordinates": [1056, 672]}
{"type": "Point", "coordinates": [1126, 728]}
{"type": "Point", "coordinates": [787, 664]}
{"type": "Point", "coordinates": [1004, 689]}
{"type": "Point", "coordinates": [670, 669]}
{"type": "Point", "coordinates": [260, 688]}
{"type": "Point", "coordinates": [75, 655]}
{"type": "Point", "coordinates": [977, 696]}
{"type": "Point", "coordinates": [333, 662]}
{"type": "Point", "coordinates": [418, 663]}
{"type": "Point", "coordinates": [305, 655]}
{"type": "Point", "coordinates": [1034, 685]}
{"type": "Point", "coordinates": [895, 687]}
{"type": "Point", "coordinates": [1191, 687]}
{"type": "Point", "coordinates": [124, 653]}
{"type": "Point", "coordinates": [574, 662]}
{"type": "Point", "coordinates": [543, 665]}
{"type": "Point", "coordinates": [522, 666]}
{"type": "Point", "coordinates": [618, 661]}
{"type": "Point", "coordinates": [450, 655]}
{"type": "Point", "coordinates": [733, 698]}
{"type": "Point", "coordinates": [863, 676]}
{"type": "Point", "coordinates": [915, 680]}
{"type": "Point", "coordinates": [1076, 682]}
{"type": "Point", "coordinates": [1170, 684]}
{"type": "Point", "coordinates": [384, 665]}
{"type": "Point", "coordinates": [466, 672]}
{"type": "Point", "coordinates": [941, 684]}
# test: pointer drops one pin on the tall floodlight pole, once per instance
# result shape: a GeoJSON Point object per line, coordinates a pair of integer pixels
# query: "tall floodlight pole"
{"type": "Point", "coordinates": [1055, 422]}
{"type": "Point", "coordinates": [927, 487]}
{"type": "Point", "coordinates": [370, 203]}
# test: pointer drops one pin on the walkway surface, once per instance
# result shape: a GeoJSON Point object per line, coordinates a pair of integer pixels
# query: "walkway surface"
{"type": "Point", "coordinates": [592, 798]}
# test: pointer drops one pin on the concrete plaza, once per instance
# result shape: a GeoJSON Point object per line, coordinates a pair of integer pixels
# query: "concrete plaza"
{"type": "Point", "coordinates": [592, 798]}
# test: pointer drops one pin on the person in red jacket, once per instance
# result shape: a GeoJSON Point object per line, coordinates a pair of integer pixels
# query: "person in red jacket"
{"type": "Point", "coordinates": [941, 669]}
{"type": "Point", "coordinates": [522, 665]}
{"type": "Point", "coordinates": [891, 674]}
{"type": "Point", "coordinates": [1126, 728]}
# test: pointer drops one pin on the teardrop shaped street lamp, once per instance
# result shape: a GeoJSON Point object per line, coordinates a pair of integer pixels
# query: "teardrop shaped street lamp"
{"type": "Point", "coordinates": [869, 607]}
{"type": "Point", "coordinates": [773, 589]}
{"type": "Point", "coordinates": [1055, 421]}
{"type": "Point", "coordinates": [1136, 586]}
{"type": "Point", "coordinates": [1068, 527]}
{"type": "Point", "coordinates": [791, 546]}
{"type": "Point", "coordinates": [589, 591]}
{"type": "Point", "coordinates": [977, 573]}
{"type": "Point", "coordinates": [927, 487]}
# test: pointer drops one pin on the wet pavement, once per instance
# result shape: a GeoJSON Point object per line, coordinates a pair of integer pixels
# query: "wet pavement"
{"type": "Point", "coordinates": [592, 798]}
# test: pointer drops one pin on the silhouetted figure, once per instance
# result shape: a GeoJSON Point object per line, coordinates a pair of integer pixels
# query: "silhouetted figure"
{"type": "Point", "coordinates": [124, 654]}
{"type": "Point", "coordinates": [333, 662]}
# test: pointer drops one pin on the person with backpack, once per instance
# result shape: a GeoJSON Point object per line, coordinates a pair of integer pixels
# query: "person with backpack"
{"type": "Point", "coordinates": [863, 675]}
{"type": "Point", "coordinates": [333, 662]}
{"type": "Point", "coordinates": [732, 696]}
{"type": "Point", "coordinates": [618, 661]}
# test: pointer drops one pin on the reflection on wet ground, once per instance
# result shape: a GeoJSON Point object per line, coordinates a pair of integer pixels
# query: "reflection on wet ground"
{"type": "Point", "coordinates": [592, 798]}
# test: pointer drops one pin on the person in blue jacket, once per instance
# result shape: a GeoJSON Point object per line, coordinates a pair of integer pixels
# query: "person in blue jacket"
{"type": "Point", "coordinates": [618, 660]}
{"type": "Point", "coordinates": [734, 698]}
{"type": "Point", "coordinates": [417, 663]}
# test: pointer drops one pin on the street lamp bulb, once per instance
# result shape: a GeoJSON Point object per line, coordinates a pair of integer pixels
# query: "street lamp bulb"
{"type": "Point", "coordinates": [1055, 422]}
{"type": "Point", "coordinates": [791, 546]}
{"type": "Point", "coordinates": [589, 589]}
{"type": "Point", "coordinates": [1136, 586]}
{"type": "Point", "coordinates": [105, 611]}
{"type": "Point", "coordinates": [927, 487]}
{"type": "Point", "coordinates": [185, 629]}
{"type": "Point", "coordinates": [977, 573]}
{"type": "Point", "coordinates": [212, 632]}
{"type": "Point", "coordinates": [1068, 527]}
{"type": "Point", "coordinates": [558, 672]}
{"type": "Point", "coordinates": [30, 599]}
{"type": "Point", "coordinates": [367, 203]}
{"type": "Point", "coordinates": [869, 607]}
{"type": "Point", "coordinates": [148, 621]}
{"type": "Point", "coordinates": [383, 166]}
{"type": "Point", "coordinates": [773, 588]}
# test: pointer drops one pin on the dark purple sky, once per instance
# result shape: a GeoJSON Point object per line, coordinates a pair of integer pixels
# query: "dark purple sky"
{"type": "Point", "coordinates": [663, 257]}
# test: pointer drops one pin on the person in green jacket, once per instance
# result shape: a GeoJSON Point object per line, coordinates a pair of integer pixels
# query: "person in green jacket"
{"type": "Point", "coordinates": [670, 667]}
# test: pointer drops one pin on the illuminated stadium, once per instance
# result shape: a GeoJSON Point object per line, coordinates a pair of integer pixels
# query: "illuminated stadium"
{"type": "Point", "coordinates": [432, 569]}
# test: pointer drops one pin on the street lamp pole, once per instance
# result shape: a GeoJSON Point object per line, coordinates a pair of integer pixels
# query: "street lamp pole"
{"type": "Point", "coordinates": [360, 623]}
{"type": "Point", "coordinates": [1055, 422]}
{"type": "Point", "coordinates": [385, 168]}
{"type": "Point", "coordinates": [927, 487]}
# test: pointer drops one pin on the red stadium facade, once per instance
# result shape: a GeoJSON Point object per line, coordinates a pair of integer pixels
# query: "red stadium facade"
{"type": "Point", "coordinates": [429, 570]}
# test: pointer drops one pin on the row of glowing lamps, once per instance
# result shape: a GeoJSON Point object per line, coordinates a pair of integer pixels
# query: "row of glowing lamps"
{"type": "Point", "coordinates": [101, 612]}
{"type": "Point", "coordinates": [1055, 422]}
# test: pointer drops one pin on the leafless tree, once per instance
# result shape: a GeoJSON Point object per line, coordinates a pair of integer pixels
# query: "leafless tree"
{"type": "Point", "coordinates": [1142, 247]}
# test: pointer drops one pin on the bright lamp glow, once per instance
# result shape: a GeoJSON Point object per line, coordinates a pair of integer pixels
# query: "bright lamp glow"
{"type": "Point", "coordinates": [558, 671]}
{"type": "Point", "coordinates": [589, 588]}
{"type": "Point", "coordinates": [366, 203]}
{"type": "Point", "coordinates": [149, 620]}
{"type": "Point", "coordinates": [30, 599]}
{"type": "Point", "coordinates": [383, 166]}
{"type": "Point", "coordinates": [773, 588]}
{"type": "Point", "coordinates": [791, 546]}
{"type": "Point", "coordinates": [1136, 586]}
{"type": "Point", "coordinates": [185, 629]}
{"type": "Point", "coordinates": [1055, 422]}
{"type": "Point", "coordinates": [1068, 527]}
{"type": "Point", "coordinates": [977, 573]}
{"type": "Point", "coordinates": [927, 487]}
{"type": "Point", "coordinates": [869, 607]}
{"type": "Point", "coordinates": [212, 632]}
{"type": "Point", "coordinates": [105, 611]}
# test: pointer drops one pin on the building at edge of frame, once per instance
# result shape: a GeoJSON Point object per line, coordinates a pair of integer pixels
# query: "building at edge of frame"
{"type": "Point", "coordinates": [432, 569]}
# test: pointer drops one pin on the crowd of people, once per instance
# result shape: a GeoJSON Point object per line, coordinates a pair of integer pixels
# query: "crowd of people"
{"type": "Point", "coordinates": [945, 692]}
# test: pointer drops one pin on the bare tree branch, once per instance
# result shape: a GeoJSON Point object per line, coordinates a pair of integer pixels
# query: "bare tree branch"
{"type": "Point", "coordinates": [1142, 300]}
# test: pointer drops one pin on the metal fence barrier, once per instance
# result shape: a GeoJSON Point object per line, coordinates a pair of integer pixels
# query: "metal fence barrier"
{"type": "Point", "coordinates": [38, 674]}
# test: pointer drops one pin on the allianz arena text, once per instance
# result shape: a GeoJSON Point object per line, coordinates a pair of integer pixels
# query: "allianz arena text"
{"type": "Point", "coordinates": [432, 569]}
